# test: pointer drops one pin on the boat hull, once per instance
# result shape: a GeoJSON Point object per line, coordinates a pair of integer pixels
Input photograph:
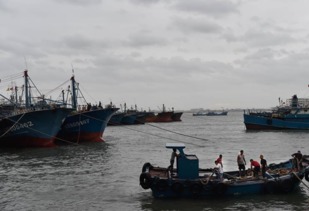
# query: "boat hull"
{"type": "Point", "coordinates": [164, 117]}
{"type": "Point", "coordinates": [87, 126]}
{"type": "Point", "coordinates": [115, 120]}
{"type": "Point", "coordinates": [32, 129]}
{"type": "Point", "coordinates": [217, 114]}
{"type": "Point", "coordinates": [164, 186]}
{"type": "Point", "coordinates": [189, 181]}
{"type": "Point", "coordinates": [256, 122]}
{"type": "Point", "coordinates": [177, 116]}
{"type": "Point", "coordinates": [129, 119]}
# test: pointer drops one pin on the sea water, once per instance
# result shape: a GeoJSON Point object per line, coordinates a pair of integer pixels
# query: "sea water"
{"type": "Point", "coordinates": [105, 176]}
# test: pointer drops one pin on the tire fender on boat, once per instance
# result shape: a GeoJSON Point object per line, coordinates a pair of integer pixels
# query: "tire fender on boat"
{"type": "Point", "coordinates": [286, 185]}
{"type": "Point", "coordinates": [196, 188]}
{"type": "Point", "coordinates": [161, 185]}
{"type": "Point", "coordinates": [177, 187]}
{"type": "Point", "coordinates": [270, 186]}
{"type": "Point", "coordinates": [145, 180]}
{"type": "Point", "coordinates": [220, 188]}
{"type": "Point", "coordinates": [146, 166]}
{"type": "Point", "coordinates": [307, 175]}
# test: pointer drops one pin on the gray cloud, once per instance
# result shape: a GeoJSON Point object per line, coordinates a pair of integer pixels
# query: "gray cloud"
{"type": "Point", "coordinates": [196, 25]}
{"type": "Point", "coordinates": [211, 53]}
{"type": "Point", "coordinates": [145, 2]}
{"type": "Point", "coordinates": [80, 2]}
{"type": "Point", "coordinates": [207, 7]}
{"type": "Point", "coordinates": [144, 39]}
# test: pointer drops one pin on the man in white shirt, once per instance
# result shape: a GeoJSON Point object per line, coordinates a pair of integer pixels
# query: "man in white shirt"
{"type": "Point", "coordinates": [219, 170]}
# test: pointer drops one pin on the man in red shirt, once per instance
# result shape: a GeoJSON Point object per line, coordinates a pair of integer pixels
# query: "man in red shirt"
{"type": "Point", "coordinates": [219, 160]}
{"type": "Point", "coordinates": [256, 167]}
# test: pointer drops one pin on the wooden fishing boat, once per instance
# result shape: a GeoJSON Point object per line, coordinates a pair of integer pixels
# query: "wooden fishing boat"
{"type": "Point", "coordinates": [189, 181]}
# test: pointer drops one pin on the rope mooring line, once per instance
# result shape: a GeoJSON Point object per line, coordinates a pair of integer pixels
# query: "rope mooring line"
{"type": "Point", "coordinates": [203, 139]}
{"type": "Point", "coordinates": [147, 133]}
{"type": "Point", "coordinates": [12, 125]}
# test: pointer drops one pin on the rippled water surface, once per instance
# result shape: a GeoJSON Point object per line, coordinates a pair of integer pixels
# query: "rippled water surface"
{"type": "Point", "coordinates": [105, 176]}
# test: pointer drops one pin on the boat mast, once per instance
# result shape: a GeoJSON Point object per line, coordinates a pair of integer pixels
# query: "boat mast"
{"type": "Point", "coordinates": [74, 100]}
{"type": "Point", "coordinates": [27, 99]}
{"type": "Point", "coordinates": [16, 96]}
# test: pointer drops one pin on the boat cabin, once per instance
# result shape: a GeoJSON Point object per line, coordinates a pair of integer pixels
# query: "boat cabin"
{"type": "Point", "coordinates": [187, 165]}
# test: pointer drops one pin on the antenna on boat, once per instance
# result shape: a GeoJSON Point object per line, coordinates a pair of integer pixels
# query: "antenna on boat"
{"type": "Point", "coordinates": [26, 63]}
{"type": "Point", "coordinates": [72, 69]}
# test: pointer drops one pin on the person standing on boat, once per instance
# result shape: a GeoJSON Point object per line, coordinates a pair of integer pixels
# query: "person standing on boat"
{"type": "Point", "coordinates": [298, 158]}
{"type": "Point", "coordinates": [219, 159]}
{"type": "Point", "coordinates": [241, 161]}
{"type": "Point", "coordinates": [264, 165]}
{"type": "Point", "coordinates": [173, 156]}
{"type": "Point", "coordinates": [256, 167]}
{"type": "Point", "coordinates": [218, 170]}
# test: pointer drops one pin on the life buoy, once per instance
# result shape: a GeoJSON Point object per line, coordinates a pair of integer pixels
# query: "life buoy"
{"type": "Point", "coordinates": [286, 185]}
{"type": "Point", "coordinates": [270, 186]}
{"type": "Point", "coordinates": [146, 166]}
{"type": "Point", "coordinates": [145, 180]}
{"type": "Point", "coordinates": [196, 189]}
{"type": "Point", "coordinates": [177, 187]}
{"type": "Point", "coordinates": [307, 175]}
{"type": "Point", "coordinates": [220, 188]}
{"type": "Point", "coordinates": [161, 185]}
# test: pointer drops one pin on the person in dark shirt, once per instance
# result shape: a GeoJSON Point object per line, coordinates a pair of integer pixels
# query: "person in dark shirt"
{"type": "Point", "coordinates": [297, 161]}
{"type": "Point", "coordinates": [263, 165]}
{"type": "Point", "coordinates": [172, 160]}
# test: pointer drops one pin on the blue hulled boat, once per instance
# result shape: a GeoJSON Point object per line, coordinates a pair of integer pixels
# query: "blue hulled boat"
{"type": "Point", "coordinates": [214, 113]}
{"type": "Point", "coordinates": [84, 125]}
{"type": "Point", "coordinates": [291, 117]}
{"type": "Point", "coordinates": [189, 181]}
{"type": "Point", "coordinates": [129, 119]}
{"type": "Point", "coordinates": [32, 124]}
{"type": "Point", "coordinates": [36, 128]}
{"type": "Point", "coordinates": [199, 113]}
{"type": "Point", "coordinates": [115, 120]}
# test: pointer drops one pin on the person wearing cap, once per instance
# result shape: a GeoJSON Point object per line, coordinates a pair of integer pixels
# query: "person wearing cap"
{"type": "Point", "coordinates": [241, 161]}
{"type": "Point", "coordinates": [256, 167]}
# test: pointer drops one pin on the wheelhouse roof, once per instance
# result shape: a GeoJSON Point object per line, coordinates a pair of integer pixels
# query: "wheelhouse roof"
{"type": "Point", "coordinates": [175, 145]}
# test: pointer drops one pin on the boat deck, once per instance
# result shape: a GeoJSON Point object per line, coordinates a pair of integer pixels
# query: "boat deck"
{"type": "Point", "coordinates": [206, 175]}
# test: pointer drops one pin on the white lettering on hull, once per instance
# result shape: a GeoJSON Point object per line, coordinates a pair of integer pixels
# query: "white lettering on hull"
{"type": "Point", "coordinates": [20, 126]}
{"type": "Point", "coordinates": [77, 124]}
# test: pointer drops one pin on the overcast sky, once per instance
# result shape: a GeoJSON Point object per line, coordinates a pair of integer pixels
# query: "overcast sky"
{"type": "Point", "coordinates": [185, 54]}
